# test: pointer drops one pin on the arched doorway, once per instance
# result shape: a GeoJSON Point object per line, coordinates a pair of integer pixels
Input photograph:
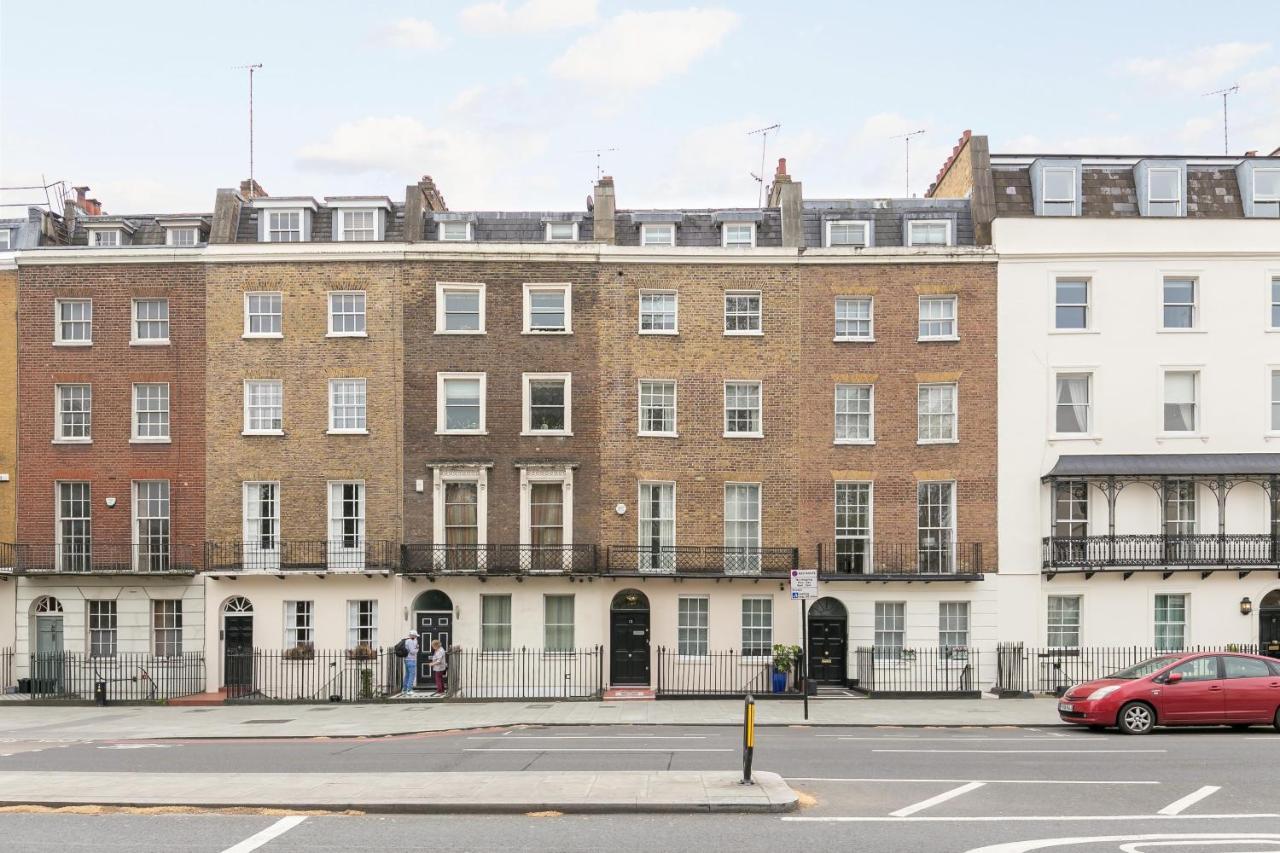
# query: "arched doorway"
{"type": "Point", "coordinates": [433, 620]}
{"type": "Point", "coordinates": [46, 639]}
{"type": "Point", "coordinates": [629, 638]}
{"type": "Point", "coordinates": [828, 641]}
{"type": "Point", "coordinates": [1269, 624]}
{"type": "Point", "coordinates": [237, 642]}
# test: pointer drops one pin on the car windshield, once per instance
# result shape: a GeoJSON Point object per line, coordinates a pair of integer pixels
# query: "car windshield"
{"type": "Point", "coordinates": [1145, 668]}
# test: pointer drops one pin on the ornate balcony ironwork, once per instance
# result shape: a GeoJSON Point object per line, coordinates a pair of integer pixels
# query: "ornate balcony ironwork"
{"type": "Point", "coordinates": [873, 558]}
{"type": "Point", "coordinates": [303, 555]}
{"type": "Point", "coordinates": [90, 557]}
{"type": "Point", "coordinates": [498, 560]}
{"type": "Point", "coordinates": [1156, 551]}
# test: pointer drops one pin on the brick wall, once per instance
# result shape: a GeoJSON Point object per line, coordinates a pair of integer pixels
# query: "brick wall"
{"type": "Point", "coordinates": [306, 457]}
{"type": "Point", "coordinates": [8, 401]}
{"type": "Point", "coordinates": [111, 365]}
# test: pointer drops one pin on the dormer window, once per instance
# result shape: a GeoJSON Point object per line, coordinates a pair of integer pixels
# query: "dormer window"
{"type": "Point", "coordinates": [181, 236]}
{"type": "Point", "coordinates": [562, 232]}
{"type": "Point", "coordinates": [284, 226]}
{"type": "Point", "coordinates": [6, 239]}
{"type": "Point", "coordinates": [1266, 192]}
{"type": "Point", "coordinates": [738, 235]}
{"type": "Point", "coordinates": [657, 234]}
{"type": "Point", "coordinates": [285, 220]}
{"type": "Point", "coordinates": [849, 232]}
{"type": "Point", "coordinates": [454, 232]}
{"type": "Point", "coordinates": [1058, 192]}
{"type": "Point", "coordinates": [1164, 192]}
{"type": "Point", "coordinates": [358, 225]}
{"type": "Point", "coordinates": [929, 232]}
{"type": "Point", "coordinates": [104, 237]}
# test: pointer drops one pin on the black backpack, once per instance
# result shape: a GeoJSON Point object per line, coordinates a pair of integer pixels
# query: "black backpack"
{"type": "Point", "coordinates": [401, 650]}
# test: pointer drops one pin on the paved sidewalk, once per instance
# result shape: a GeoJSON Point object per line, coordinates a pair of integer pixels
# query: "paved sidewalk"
{"type": "Point", "coordinates": [122, 722]}
{"type": "Point", "coordinates": [410, 793]}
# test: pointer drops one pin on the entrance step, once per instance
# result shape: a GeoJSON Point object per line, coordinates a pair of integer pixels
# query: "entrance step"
{"type": "Point", "coordinates": [218, 698]}
{"type": "Point", "coordinates": [629, 694]}
{"type": "Point", "coordinates": [834, 691]}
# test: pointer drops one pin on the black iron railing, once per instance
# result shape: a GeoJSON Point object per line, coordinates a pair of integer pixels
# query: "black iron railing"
{"type": "Point", "coordinates": [6, 670]}
{"type": "Point", "coordinates": [302, 555]}
{"type": "Point", "coordinates": [427, 559]}
{"type": "Point", "coordinates": [526, 674]}
{"type": "Point", "coordinates": [1026, 669]}
{"type": "Point", "coordinates": [873, 557]}
{"type": "Point", "coordinates": [915, 671]}
{"type": "Point", "coordinates": [700, 560]}
{"type": "Point", "coordinates": [1154, 549]}
{"type": "Point", "coordinates": [712, 674]}
{"type": "Point", "coordinates": [129, 677]}
{"type": "Point", "coordinates": [307, 674]}
{"type": "Point", "coordinates": [94, 557]}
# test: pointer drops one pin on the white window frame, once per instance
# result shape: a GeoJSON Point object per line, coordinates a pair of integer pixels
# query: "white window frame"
{"type": "Point", "coordinates": [961, 614]}
{"type": "Point", "coordinates": [59, 425]}
{"type": "Point", "coordinates": [562, 474]}
{"type": "Point", "coordinates": [548, 227]}
{"type": "Point", "coordinates": [675, 408]}
{"type": "Point", "coordinates": [299, 623]}
{"type": "Point", "coordinates": [1194, 304]}
{"type": "Point", "coordinates": [6, 239]}
{"type": "Point", "coordinates": [870, 337]}
{"type": "Point", "coordinates": [1273, 398]}
{"type": "Point", "coordinates": [1177, 183]}
{"type": "Point", "coordinates": [441, 477]}
{"type": "Point", "coordinates": [526, 402]}
{"type": "Point", "coordinates": [759, 408]}
{"type": "Point", "coordinates": [559, 648]}
{"type": "Point", "coordinates": [102, 628]}
{"type": "Point", "coordinates": [348, 557]}
{"type": "Point", "coordinates": [166, 627]}
{"type": "Point", "coordinates": [76, 555]}
{"type": "Point", "coordinates": [948, 228]}
{"type": "Point", "coordinates": [1263, 199]}
{"type": "Point", "coordinates": [748, 562]}
{"type": "Point", "coordinates": [442, 419]}
{"type": "Point", "coordinates": [252, 293]}
{"type": "Point", "coordinates": [154, 545]}
{"type": "Point", "coordinates": [363, 314]}
{"type": "Point", "coordinates": [954, 413]}
{"type": "Point", "coordinates": [486, 646]}
{"type": "Point", "coordinates": [134, 437]}
{"type": "Point", "coordinates": [867, 237]}
{"type": "Point", "coordinates": [171, 233]}
{"type": "Point", "coordinates": [759, 314]}
{"type": "Point", "coordinates": [760, 649]}
{"type": "Point", "coordinates": [134, 338]}
{"type": "Point", "coordinates": [362, 389]}
{"type": "Point", "coordinates": [246, 428]}
{"type": "Point", "coordinates": [871, 413]}
{"type": "Point", "coordinates": [649, 228]}
{"type": "Point", "coordinates": [445, 287]}
{"type": "Point", "coordinates": [890, 623]}
{"type": "Point", "coordinates": [1054, 328]}
{"type": "Point", "coordinates": [362, 623]}
{"type": "Point", "coordinates": [1273, 302]}
{"type": "Point", "coordinates": [442, 232]}
{"type": "Point", "coordinates": [105, 238]}
{"type": "Point", "coordinates": [58, 339]}
{"type": "Point", "coordinates": [663, 561]}
{"type": "Point", "coordinates": [675, 314]}
{"type": "Point", "coordinates": [1185, 624]}
{"type": "Point", "coordinates": [255, 554]}
{"type": "Point", "coordinates": [1090, 427]}
{"type": "Point", "coordinates": [724, 235]}
{"type": "Point", "coordinates": [693, 636]}
{"type": "Point", "coordinates": [342, 212]}
{"type": "Point", "coordinates": [1062, 627]}
{"type": "Point", "coordinates": [955, 317]}
{"type": "Point", "coordinates": [852, 534]}
{"type": "Point", "coordinates": [1044, 189]}
{"type": "Point", "coordinates": [266, 231]}
{"type": "Point", "coordinates": [566, 291]}
{"type": "Point", "coordinates": [952, 530]}
{"type": "Point", "coordinates": [1197, 401]}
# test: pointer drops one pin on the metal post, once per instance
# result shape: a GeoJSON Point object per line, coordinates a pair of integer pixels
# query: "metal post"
{"type": "Point", "coordinates": [804, 654]}
{"type": "Point", "coordinates": [748, 737]}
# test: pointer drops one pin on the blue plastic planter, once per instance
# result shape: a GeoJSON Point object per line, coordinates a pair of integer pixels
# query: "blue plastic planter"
{"type": "Point", "coordinates": [779, 682]}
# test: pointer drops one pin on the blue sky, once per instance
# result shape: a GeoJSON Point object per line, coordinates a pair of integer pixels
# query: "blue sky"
{"type": "Point", "coordinates": [502, 102]}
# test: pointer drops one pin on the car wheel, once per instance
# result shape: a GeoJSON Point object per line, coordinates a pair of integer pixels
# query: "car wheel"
{"type": "Point", "coordinates": [1136, 718]}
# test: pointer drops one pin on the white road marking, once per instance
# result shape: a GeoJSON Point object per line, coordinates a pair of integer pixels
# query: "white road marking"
{"type": "Point", "coordinates": [277, 829]}
{"type": "Point", "coordinates": [585, 749]}
{"type": "Point", "coordinates": [1179, 806]}
{"type": "Point", "coordinates": [594, 737]}
{"type": "Point", "coordinates": [987, 781]}
{"type": "Point", "coordinates": [933, 801]}
{"type": "Point", "coordinates": [1029, 818]}
{"type": "Point", "coordinates": [1181, 840]}
{"type": "Point", "coordinates": [136, 746]}
{"type": "Point", "coordinates": [967, 739]}
{"type": "Point", "coordinates": [1027, 751]}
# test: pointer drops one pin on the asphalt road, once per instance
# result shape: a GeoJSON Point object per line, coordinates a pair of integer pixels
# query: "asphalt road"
{"type": "Point", "coordinates": [871, 789]}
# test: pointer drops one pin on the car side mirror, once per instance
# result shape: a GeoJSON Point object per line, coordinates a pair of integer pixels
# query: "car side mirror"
{"type": "Point", "coordinates": [1173, 678]}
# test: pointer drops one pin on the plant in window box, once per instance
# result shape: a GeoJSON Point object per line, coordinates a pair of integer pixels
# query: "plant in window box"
{"type": "Point", "coordinates": [907, 655]}
{"type": "Point", "coordinates": [302, 651]}
{"type": "Point", "coordinates": [960, 653]}
{"type": "Point", "coordinates": [364, 651]}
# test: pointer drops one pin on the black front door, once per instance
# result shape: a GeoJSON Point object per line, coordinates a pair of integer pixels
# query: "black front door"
{"type": "Point", "coordinates": [828, 641]}
{"type": "Point", "coordinates": [629, 641]}
{"type": "Point", "coordinates": [432, 625]}
{"type": "Point", "coordinates": [1269, 636]}
{"type": "Point", "coordinates": [238, 642]}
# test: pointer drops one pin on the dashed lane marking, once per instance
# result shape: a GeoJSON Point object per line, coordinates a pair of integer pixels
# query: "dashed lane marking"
{"type": "Point", "coordinates": [1030, 818]}
{"type": "Point", "coordinates": [587, 749]}
{"type": "Point", "coordinates": [1029, 751]}
{"type": "Point", "coordinates": [987, 781]}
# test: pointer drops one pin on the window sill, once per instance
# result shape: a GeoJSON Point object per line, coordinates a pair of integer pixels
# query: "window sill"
{"type": "Point", "coordinates": [462, 432]}
{"type": "Point", "coordinates": [459, 331]}
{"type": "Point", "coordinates": [547, 332]}
{"type": "Point", "coordinates": [253, 432]}
{"type": "Point", "coordinates": [347, 432]}
{"type": "Point", "coordinates": [939, 338]}
{"type": "Point", "coordinates": [151, 441]}
{"type": "Point", "coordinates": [347, 335]}
{"type": "Point", "coordinates": [267, 336]}
{"type": "Point", "coordinates": [72, 441]}
{"type": "Point", "coordinates": [553, 433]}
{"type": "Point", "coordinates": [157, 342]}
{"type": "Point", "coordinates": [673, 434]}
{"type": "Point", "coordinates": [924, 441]}
{"type": "Point", "coordinates": [675, 332]}
{"type": "Point", "coordinates": [854, 442]}
{"type": "Point", "coordinates": [73, 343]}
{"type": "Point", "coordinates": [759, 334]}
{"type": "Point", "coordinates": [1056, 331]}
{"type": "Point", "coordinates": [743, 435]}
{"type": "Point", "coordinates": [839, 340]}
{"type": "Point", "coordinates": [1075, 436]}
{"type": "Point", "coordinates": [1181, 331]}
{"type": "Point", "coordinates": [1176, 436]}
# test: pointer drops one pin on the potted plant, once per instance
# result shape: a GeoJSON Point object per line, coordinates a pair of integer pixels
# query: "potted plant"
{"type": "Point", "coordinates": [907, 655]}
{"type": "Point", "coordinates": [302, 651]}
{"type": "Point", "coordinates": [364, 651]}
{"type": "Point", "coordinates": [784, 658]}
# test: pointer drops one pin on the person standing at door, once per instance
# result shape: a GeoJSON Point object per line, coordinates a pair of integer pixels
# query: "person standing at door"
{"type": "Point", "coordinates": [438, 665]}
{"type": "Point", "coordinates": [410, 661]}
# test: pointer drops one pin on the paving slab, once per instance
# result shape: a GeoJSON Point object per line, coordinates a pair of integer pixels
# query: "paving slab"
{"type": "Point", "coordinates": [410, 793]}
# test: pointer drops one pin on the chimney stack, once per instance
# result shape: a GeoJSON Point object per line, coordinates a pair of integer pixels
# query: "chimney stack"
{"type": "Point", "coordinates": [604, 208]}
{"type": "Point", "coordinates": [251, 189]}
{"type": "Point", "coordinates": [419, 199]}
{"type": "Point", "coordinates": [788, 196]}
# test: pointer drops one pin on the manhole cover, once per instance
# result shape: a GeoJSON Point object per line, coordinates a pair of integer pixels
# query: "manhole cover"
{"type": "Point", "coordinates": [537, 707]}
{"type": "Point", "coordinates": [260, 722]}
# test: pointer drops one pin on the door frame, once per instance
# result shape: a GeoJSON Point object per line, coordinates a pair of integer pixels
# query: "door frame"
{"type": "Point", "coordinates": [1268, 611]}
{"type": "Point", "coordinates": [223, 613]}
{"type": "Point", "coordinates": [808, 663]}
{"type": "Point", "coordinates": [614, 610]}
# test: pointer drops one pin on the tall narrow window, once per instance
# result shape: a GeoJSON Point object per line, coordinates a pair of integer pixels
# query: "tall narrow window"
{"type": "Point", "coordinates": [936, 413]}
{"type": "Point", "coordinates": [151, 411]}
{"type": "Point", "coordinates": [74, 528]}
{"type": "Point", "coordinates": [937, 318]}
{"type": "Point", "coordinates": [347, 313]}
{"type": "Point", "coordinates": [657, 535]}
{"type": "Point", "coordinates": [75, 413]}
{"type": "Point", "coordinates": [1179, 520]}
{"type": "Point", "coordinates": [853, 528]}
{"type": "Point", "coordinates": [1171, 622]}
{"type": "Point", "coordinates": [1063, 622]}
{"type": "Point", "coordinates": [1164, 192]}
{"type": "Point", "coordinates": [1275, 401]}
{"type": "Point", "coordinates": [757, 627]}
{"type": "Point", "coordinates": [462, 515]}
{"type": "Point", "coordinates": [953, 626]}
{"type": "Point", "coordinates": [1266, 192]}
{"type": "Point", "coordinates": [151, 525]}
{"type": "Point", "coordinates": [150, 321]}
{"type": "Point", "coordinates": [1071, 510]}
{"type": "Point", "coordinates": [547, 403]}
{"type": "Point", "coordinates": [261, 526]}
{"type": "Point", "coordinates": [347, 405]}
{"type": "Point", "coordinates": [263, 406]}
{"type": "Point", "coordinates": [657, 407]}
{"type": "Point", "coordinates": [1071, 304]}
{"type": "Point", "coordinates": [362, 625]}
{"type": "Point", "coordinates": [692, 624]}
{"type": "Point", "coordinates": [74, 322]}
{"type": "Point", "coordinates": [1181, 401]}
{"type": "Point", "coordinates": [1275, 303]}
{"type": "Point", "coordinates": [935, 509]}
{"type": "Point", "coordinates": [853, 318]}
{"type": "Point", "coordinates": [262, 315]}
{"type": "Point", "coordinates": [742, 528]}
{"type": "Point", "coordinates": [1179, 303]}
{"type": "Point", "coordinates": [546, 516]}
{"type": "Point", "coordinates": [854, 414]}
{"type": "Point", "coordinates": [1058, 192]}
{"type": "Point", "coordinates": [890, 628]}
{"type": "Point", "coordinates": [1072, 410]}
{"type": "Point", "coordinates": [298, 628]}
{"type": "Point", "coordinates": [346, 525]}
{"type": "Point", "coordinates": [742, 313]}
{"type": "Point", "coordinates": [742, 409]}
{"type": "Point", "coordinates": [461, 402]}
{"type": "Point", "coordinates": [495, 623]}
{"type": "Point", "coordinates": [102, 628]}
{"type": "Point", "coordinates": [557, 623]}
{"type": "Point", "coordinates": [166, 627]}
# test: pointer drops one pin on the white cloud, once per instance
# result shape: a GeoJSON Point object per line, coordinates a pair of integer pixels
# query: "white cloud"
{"type": "Point", "coordinates": [410, 34]}
{"type": "Point", "coordinates": [1205, 68]}
{"type": "Point", "coordinates": [532, 16]}
{"type": "Point", "coordinates": [636, 50]}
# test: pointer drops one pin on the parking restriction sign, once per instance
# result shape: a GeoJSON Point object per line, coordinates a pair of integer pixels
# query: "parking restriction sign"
{"type": "Point", "coordinates": [804, 584]}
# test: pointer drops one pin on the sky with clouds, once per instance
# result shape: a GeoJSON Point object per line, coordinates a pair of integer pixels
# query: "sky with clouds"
{"type": "Point", "coordinates": [504, 101]}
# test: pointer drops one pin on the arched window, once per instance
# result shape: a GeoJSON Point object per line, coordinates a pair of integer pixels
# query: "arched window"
{"type": "Point", "coordinates": [46, 604]}
{"type": "Point", "coordinates": [239, 604]}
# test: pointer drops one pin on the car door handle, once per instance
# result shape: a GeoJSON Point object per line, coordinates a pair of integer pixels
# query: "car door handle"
{"type": "Point", "coordinates": [1215, 687]}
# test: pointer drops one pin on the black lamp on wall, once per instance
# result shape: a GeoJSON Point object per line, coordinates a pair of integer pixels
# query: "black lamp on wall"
{"type": "Point", "coordinates": [1246, 606]}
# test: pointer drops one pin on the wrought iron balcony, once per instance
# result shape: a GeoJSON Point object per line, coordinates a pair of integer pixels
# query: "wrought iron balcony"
{"type": "Point", "coordinates": [90, 557]}
{"type": "Point", "coordinates": [302, 555]}
{"type": "Point", "coordinates": [708, 560]}
{"type": "Point", "coordinates": [427, 559]}
{"type": "Point", "coordinates": [873, 558]}
{"type": "Point", "coordinates": [1157, 551]}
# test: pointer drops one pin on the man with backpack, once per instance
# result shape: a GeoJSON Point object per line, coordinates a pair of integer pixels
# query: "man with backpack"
{"type": "Point", "coordinates": [407, 651]}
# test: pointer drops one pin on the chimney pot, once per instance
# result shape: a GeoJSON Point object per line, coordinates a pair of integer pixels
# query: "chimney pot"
{"type": "Point", "coordinates": [1251, 153]}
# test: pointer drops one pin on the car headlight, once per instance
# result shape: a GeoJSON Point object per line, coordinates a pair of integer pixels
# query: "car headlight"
{"type": "Point", "coordinates": [1103, 692]}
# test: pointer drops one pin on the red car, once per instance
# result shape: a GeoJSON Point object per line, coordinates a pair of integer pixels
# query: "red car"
{"type": "Point", "coordinates": [1179, 689]}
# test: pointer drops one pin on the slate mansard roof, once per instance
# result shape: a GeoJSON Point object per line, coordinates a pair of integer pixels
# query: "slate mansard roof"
{"type": "Point", "coordinates": [888, 217]}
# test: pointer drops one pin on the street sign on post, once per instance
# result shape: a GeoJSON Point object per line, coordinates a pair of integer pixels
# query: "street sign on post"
{"type": "Point", "coordinates": [804, 584]}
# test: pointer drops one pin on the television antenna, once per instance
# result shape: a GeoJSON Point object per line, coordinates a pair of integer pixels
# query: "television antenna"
{"type": "Point", "coordinates": [1231, 90]}
{"type": "Point", "coordinates": [906, 138]}
{"type": "Point", "coordinates": [251, 69]}
{"type": "Point", "coordinates": [763, 133]}
{"type": "Point", "coordinates": [598, 152]}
